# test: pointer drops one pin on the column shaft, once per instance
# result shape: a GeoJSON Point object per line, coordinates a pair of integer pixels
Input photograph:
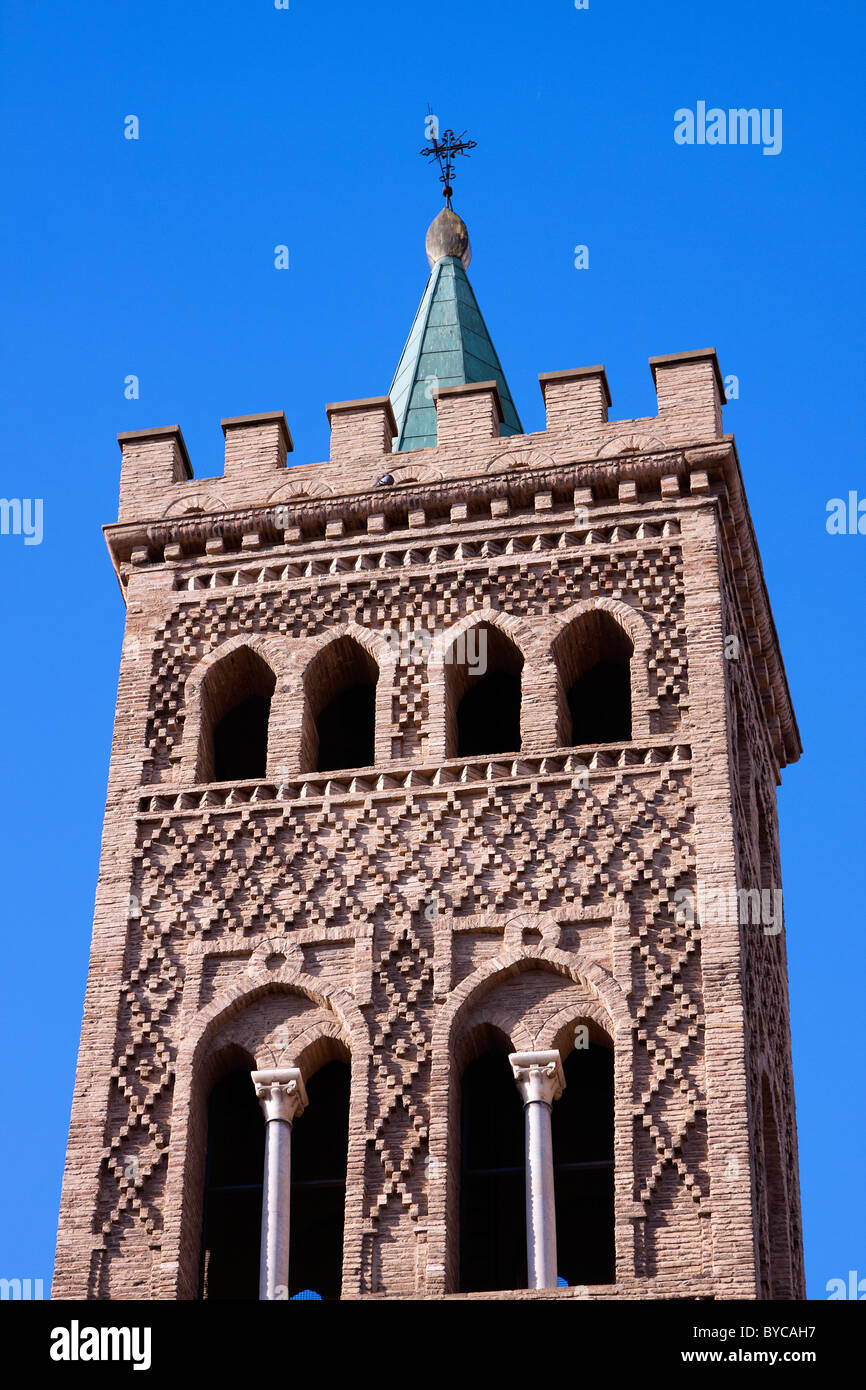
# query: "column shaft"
{"type": "Point", "coordinates": [540, 1080]}
{"type": "Point", "coordinates": [274, 1266]}
{"type": "Point", "coordinates": [282, 1096]}
{"type": "Point", "coordinates": [540, 1204]}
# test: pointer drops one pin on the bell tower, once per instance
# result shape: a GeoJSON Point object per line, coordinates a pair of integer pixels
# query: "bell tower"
{"type": "Point", "coordinates": [438, 947]}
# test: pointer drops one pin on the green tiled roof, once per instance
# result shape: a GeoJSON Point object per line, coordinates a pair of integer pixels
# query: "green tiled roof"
{"type": "Point", "coordinates": [448, 346]}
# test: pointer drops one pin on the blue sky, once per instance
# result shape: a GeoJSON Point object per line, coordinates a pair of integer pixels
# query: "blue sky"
{"type": "Point", "coordinates": [155, 257]}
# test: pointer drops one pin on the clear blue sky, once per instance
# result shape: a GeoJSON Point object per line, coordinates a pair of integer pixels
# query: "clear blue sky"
{"type": "Point", "coordinates": [302, 127]}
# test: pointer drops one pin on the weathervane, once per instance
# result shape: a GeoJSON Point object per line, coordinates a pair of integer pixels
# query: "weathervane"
{"type": "Point", "coordinates": [444, 150]}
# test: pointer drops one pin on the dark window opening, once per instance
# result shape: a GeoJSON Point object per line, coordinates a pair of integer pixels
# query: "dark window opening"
{"type": "Point", "coordinates": [593, 659]}
{"type": "Point", "coordinates": [236, 706]}
{"type": "Point", "coordinates": [320, 1140]}
{"type": "Point", "coordinates": [492, 1181]}
{"type": "Point", "coordinates": [340, 712]}
{"type": "Point", "coordinates": [488, 719]}
{"type": "Point", "coordinates": [582, 1123]}
{"type": "Point", "coordinates": [231, 1239]}
{"type": "Point", "coordinates": [240, 741]}
{"type": "Point", "coordinates": [599, 703]}
{"type": "Point", "coordinates": [483, 693]}
{"type": "Point", "coordinates": [347, 729]}
{"type": "Point", "coordinates": [234, 1171]}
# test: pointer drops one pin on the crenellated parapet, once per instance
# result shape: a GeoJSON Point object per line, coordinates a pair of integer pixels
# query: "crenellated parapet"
{"type": "Point", "coordinates": [157, 480]}
{"type": "Point", "coordinates": [368, 505]}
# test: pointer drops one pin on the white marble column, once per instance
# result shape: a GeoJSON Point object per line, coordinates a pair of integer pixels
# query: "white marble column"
{"type": "Point", "coordinates": [283, 1097]}
{"type": "Point", "coordinates": [540, 1081]}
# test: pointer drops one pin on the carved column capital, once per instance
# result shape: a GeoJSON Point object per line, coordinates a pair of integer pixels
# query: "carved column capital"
{"type": "Point", "coordinates": [281, 1093]}
{"type": "Point", "coordinates": [539, 1076]}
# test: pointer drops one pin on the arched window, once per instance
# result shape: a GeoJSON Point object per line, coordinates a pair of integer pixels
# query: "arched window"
{"type": "Point", "coordinates": [482, 693]}
{"type": "Point", "coordinates": [492, 1181]}
{"type": "Point", "coordinates": [593, 658]}
{"type": "Point", "coordinates": [234, 1172]}
{"type": "Point", "coordinates": [233, 1189]}
{"type": "Point", "coordinates": [340, 713]}
{"type": "Point", "coordinates": [320, 1140]}
{"type": "Point", "coordinates": [236, 704]}
{"type": "Point", "coordinates": [582, 1126]}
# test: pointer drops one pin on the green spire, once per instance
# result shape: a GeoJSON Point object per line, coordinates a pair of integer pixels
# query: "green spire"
{"type": "Point", "coordinates": [449, 344]}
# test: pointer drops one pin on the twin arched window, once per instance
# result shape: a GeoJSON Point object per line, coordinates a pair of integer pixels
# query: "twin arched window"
{"type": "Point", "coordinates": [493, 1172]}
{"type": "Point", "coordinates": [234, 1167]}
{"type": "Point", "coordinates": [483, 670]}
{"type": "Point", "coordinates": [492, 1177]}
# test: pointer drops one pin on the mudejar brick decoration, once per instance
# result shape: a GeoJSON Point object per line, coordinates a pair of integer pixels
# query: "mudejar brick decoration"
{"type": "Point", "coordinates": [396, 914]}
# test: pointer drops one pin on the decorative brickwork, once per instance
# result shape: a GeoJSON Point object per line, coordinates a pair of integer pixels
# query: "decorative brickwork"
{"type": "Point", "coordinates": [389, 914]}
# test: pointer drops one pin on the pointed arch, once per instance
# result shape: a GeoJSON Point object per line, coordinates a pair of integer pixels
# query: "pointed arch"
{"type": "Point", "coordinates": [475, 680]}
{"type": "Point", "coordinates": [491, 996]}
{"type": "Point", "coordinates": [346, 679]}
{"type": "Point", "coordinates": [227, 708]}
{"type": "Point", "coordinates": [317, 1025]}
{"type": "Point", "coordinates": [601, 656]}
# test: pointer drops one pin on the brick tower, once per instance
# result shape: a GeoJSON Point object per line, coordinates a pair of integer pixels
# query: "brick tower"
{"type": "Point", "coordinates": [438, 945]}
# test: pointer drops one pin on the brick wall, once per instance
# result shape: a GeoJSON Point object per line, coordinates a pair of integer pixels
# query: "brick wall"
{"type": "Point", "coordinates": [390, 913]}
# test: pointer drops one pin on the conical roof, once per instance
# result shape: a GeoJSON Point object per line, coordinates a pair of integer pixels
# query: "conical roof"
{"type": "Point", "coordinates": [449, 344]}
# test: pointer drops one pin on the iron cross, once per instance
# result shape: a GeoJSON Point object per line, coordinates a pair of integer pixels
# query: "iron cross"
{"type": "Point", "coordinates": [443, 151]}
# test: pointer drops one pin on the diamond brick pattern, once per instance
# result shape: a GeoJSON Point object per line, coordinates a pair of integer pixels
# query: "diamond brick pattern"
{"type": "Point", "coordinates": [263, 873]}
{"type": "Point", "coordinates": [393, 913]}
{"type": "Point", "coordinates": [651, 582]}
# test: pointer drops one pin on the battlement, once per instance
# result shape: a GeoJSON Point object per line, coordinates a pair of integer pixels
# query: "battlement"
{"type": "Point", "coordinates": [157, 480]}
{"type": "Point", "coordinates": [261, 517]}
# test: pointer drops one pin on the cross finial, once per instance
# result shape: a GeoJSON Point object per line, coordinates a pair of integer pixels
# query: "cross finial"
{"type": "Point", "coordinates": [443, 151]}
